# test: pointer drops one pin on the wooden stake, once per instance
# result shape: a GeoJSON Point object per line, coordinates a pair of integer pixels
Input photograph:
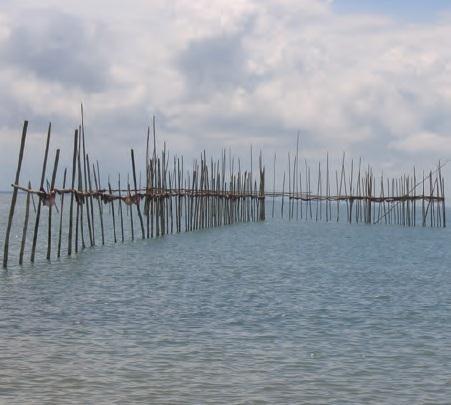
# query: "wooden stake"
{"type": "Point", "coordinates": [14, 196]}
{"type": "Point", "coordinates": [25, 226]}
{"type": "Point", "coordinates": [41, 188]}
{"type": "Point", "coordinates": [71, 209]}
{"type": "Point", "coordinates": [61, 216]}
{"type": "Point", "coordinates": [138, 207]}
{"type": "Point", "coordinates": [52, 193]}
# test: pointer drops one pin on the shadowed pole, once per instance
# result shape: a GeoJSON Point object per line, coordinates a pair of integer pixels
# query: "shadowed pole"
{"type": "Point", "coordinates": [112, 211]}
{"type": "Point", "coordinates": [120, 208]}
{"type": "Point", "coordinates": [91, 199]}
{"type": "Point", "coordinates": [88, 199]}
{"type": "Point", "coordinates": [14, 197]}
{"type": "Point", "coordinates": [61, 216]}
{"type": "Point", "coordinates": [138, 207]}
{"type": "Point", "coordinates": [71, 209]}
{"type": "Point", "coordinates": [97, 184]}
{"type": "Point", "coordinates": [146, 205]}
{"type": "Point", "coordinates": [25, 225]}
{"type": "Point", "coordinates": [51, 202]}
{"type": "Point", "coordinates": [81, 199]}
{"type": "Point", "coordinates": [38, 213]}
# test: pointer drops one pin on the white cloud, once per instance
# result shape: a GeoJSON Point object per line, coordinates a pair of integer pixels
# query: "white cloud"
{"type": "Point", "coordinates": [228, 73]}
{"type": "Point", "coordinates": [424, 142]}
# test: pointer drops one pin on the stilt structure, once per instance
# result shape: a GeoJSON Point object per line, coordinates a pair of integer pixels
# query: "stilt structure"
{"type": "Point", "coordinates": [213, 193]}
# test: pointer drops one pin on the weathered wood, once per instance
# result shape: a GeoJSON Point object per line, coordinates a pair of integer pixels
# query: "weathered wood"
{"type": "Point", "coordinates": [221, 192]}
{"type": "Point", "coordinates": [112, 213]}
{"type": "Point", "coordinates": [88, 166]}
{"type": "Point", "coordinates": [138, 206]}
{"type": "Point", "coordinates": [99, 203]}
{"type": "Point", "coordinates": [14, 196]}
{"type": "Point", "coordinates": [88, 201]}
{"type": "Point", "coordinates": [61, 216]}
{"type": "Point", "coordinates": [41, 188]}
{"type": "Point", "coordinates": [72, 196]}
{"type": "Point", "coordinates": [51, 203]}
{"type": "Point", "coordinates": [81, 202]}
{"type": "Point", "coordinates": [25, 226]}
{"type": "Point", "coordinates": [120, 209]}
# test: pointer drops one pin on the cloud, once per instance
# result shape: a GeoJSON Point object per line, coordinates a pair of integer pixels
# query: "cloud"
{"type": "Point", "coordinates": [58, 47]}
{"type": "Point", "coordinates": [424, 142]}
{"type": "Point", "coordinates": [223, 73]}
{"type": "Point", "coordinates": [214, 64]}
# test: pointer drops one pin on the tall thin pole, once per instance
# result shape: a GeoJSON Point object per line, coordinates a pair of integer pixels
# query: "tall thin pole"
{"type": "Point", "coordinates": [41, 188]}
{"type": "Point", "coordinates": [138, 207]}
{"type": "Point", "coordinates": [14, 197]}
{"type": "Point", "coordinates": [51, 202]}
{"type": "Point", "coordinates": [61, 216]}
{"type": "Point", "coordinates": [25, 225]}
{"type": "Point", "coordinates": [71, 209]}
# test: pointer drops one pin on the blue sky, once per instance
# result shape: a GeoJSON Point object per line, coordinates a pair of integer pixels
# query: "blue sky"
{"type": "Point", "coordinates": [406, 10]}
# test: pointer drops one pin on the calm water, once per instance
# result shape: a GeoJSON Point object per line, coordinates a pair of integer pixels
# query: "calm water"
{"type": "Point", "coordinates": [274, 312]}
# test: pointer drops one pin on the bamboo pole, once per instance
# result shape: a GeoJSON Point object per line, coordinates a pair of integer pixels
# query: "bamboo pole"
{"type": "Point", "coordinates": [14, 196]}
{"type": "Point", "coordinates": [120, 209]}
{"type": "Point", "coordinates": [131, 211]}
{"type": "Point", "coordinates": [52, 186]}
{"type": "Point", "coordinates": [99, 204]}
{"type": "Point", "coordinates": [112, 212]}
{"type": "Point", "coordinates": [89, 202]}
{"type": "Point", "coordinates": [25, 226]}
{"type": "Point", "coordinates": [41, 188]}
{"type": "Point", "coordinates": [61, 216]}
{"type": "Point", "coordinates": [136, 192]}
{"type": "Point", "coordinates": [80, 201]}
{"type": "Point", "coordinates": [283, 194]}
{"type": "Point", "coordinates": [146, 205]}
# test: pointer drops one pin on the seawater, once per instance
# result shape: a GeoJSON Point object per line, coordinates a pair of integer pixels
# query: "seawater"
{"type": "Point", "coordinates": [273, 312]}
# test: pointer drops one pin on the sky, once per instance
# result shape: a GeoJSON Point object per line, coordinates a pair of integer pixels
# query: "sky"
{"type": "Point", "coordinates": [403, 10]}
{"type": "Point", "coordinates": [369, 78]}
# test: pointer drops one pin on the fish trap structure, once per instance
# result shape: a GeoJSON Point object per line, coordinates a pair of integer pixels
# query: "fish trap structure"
{"type": "Point", "coordinates": [210, 193]}
{"type": "Point", "coordinates": [355, 193]}
{"type": "Point", "coordinates": [173, 200]}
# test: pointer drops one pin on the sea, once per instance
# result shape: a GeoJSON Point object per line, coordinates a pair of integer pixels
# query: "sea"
{"type": "Point", "coordinates": [273, 312]}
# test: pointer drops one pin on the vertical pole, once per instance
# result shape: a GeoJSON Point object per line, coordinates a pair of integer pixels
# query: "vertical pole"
{"type": "Point", "coordinates": [88, 166]}
{"type": "Point", "coordinates": [120, 208]}
{"type": "Point", "coordinates": [41, 188]}
{"type": "Point", "coordinates": [80, 189]}
{"type": "Point", "coordinates": [25, 225]}
{"type": "Point", "coordinates": [112, 211]}
{"type": "Point", "coordinates": [138, 207]}
{"type": "Point", "coordinates": [61, 215]}
{"type": "Point", "coordinates": [274, 185]}
{"type": "Point", "coordinates": [52, 200]}
{"type": "Point", "coordinates": [14, 197]}
{"type": "Point", "coordinates": [283, 194]}
{"type": "Point", "coordinates": [131, 210]}
{"type": "Point", "coordinates": [146, 205]}
{"type": "Point", "coordinates": [71, 209]}
{"type": "Point", "coordinates": [97, 184]}
{"type": "Point", "coordinates": [88, 199]}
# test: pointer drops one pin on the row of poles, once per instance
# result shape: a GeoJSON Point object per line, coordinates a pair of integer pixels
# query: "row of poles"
{"type": "Point", "coordinates": [211, 193]}
{"type": "Point", "coordinates": [359, 195]}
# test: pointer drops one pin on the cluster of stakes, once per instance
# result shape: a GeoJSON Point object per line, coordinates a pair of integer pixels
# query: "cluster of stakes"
{"type": "Point", "coordinates": [210, 193]}
{"type": "Point", "coordinates": [408, 200]}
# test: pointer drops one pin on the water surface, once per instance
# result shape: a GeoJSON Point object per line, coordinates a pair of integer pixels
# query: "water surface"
{"type": "Point", "coordinates": [274, 312]}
